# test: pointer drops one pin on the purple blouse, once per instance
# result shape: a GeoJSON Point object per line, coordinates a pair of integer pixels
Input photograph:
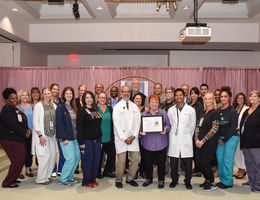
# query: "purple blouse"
{"type": "Point", "coordinates": [156, 141]}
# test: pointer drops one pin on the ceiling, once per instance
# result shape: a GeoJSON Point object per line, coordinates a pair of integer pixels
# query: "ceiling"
{"type": "Point", "coordinates": [99, 11]}
{"type": "Point", "coordinates": [39, 11]}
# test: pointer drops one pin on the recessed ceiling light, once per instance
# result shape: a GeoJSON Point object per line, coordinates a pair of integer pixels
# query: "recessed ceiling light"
{"type": "Point", "coordinates": [99, 8]}
{"type": "Point", "coordinates": [14, 9]}
{"type": "Point", "coordinates": [186, 7]}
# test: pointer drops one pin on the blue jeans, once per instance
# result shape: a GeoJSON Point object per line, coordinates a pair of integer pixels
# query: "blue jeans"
{"type": "Point", "coordinates": [90, 157]}
{"type": "Point", "coordinates": [71, 154]}
{"type": "Point", "coordinates": [61, 161]}
{"type": "Point", "coordinates": [225, 157]}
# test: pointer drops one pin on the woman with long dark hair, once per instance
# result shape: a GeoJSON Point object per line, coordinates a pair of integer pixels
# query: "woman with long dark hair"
{"type": "Point", "coordinates": [194, 94]}
{"type": "Point", "coordinates": [66, 134]}
{"type": "Point", "coordinates": [240, 104]}
{"type": "Point", "coordinates": [228, 139]}
{"type": "Point", "coordinates": [89, 139]}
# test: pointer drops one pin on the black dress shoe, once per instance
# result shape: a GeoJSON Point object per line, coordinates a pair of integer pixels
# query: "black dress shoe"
{"type": "Point", "coordinates": [173, 185]}
{"type": "Point", "coordinates": [147, 182]}
{"type": "Point", "coordinates": [132, 183]}
{"type": "Point", "coordinates": [161, 184]}
{"type": "Point", "coordinates": [119, 185]}
{"type": "Point", "coordinates": [11, 186]}
{"type": "Point", "coordinates": [100, 176]}
{"type": "Point", "coordinates": [18, 181]}
{"type": "Point", "coordinates": [109, 174]}
{"type": "Point", "coordinates": [188, 186]}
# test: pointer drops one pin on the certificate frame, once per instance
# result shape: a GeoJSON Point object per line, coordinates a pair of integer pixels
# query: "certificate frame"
{"type": "Point", "coordinates": [152, 124]}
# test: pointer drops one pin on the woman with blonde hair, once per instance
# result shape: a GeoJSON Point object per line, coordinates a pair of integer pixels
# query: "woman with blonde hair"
{"type": "Point", "coordinates": [206, 140]}
{"type": "Point", "coordinates": [81, 90]}
{"type": "Point", "coordinates": [250, 140]}
{"type": "Point", "coordinates": [25, 107]}
{"type": "Point", "coordinates": [44, 141]}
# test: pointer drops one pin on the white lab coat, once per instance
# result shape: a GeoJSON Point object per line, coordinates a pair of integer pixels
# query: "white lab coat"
{"type": "Point", "coordinates": [180, 141]}
{"type": "Point", "coordinates": [126, 124]}
{"type": "Point", "coordinates": [38, 125]}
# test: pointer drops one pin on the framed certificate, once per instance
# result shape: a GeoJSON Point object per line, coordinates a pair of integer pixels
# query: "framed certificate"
{"type": "Point", "coordinates": [152, 124]}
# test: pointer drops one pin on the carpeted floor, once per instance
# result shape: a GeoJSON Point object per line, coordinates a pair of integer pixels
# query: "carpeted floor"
{"type": "Point", "coordinates": [107, 191]}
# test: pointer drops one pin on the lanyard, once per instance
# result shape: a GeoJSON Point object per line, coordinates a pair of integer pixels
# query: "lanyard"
{"type": "Point", "coordinates": [177, 117]}
{"type": "Point", "coordinates": [177, 120]}
{"type": "Point", "coordinates": [50, 113]}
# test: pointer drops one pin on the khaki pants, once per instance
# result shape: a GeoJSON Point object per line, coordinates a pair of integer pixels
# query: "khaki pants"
{"type": "Point", "coordinates": [120, 165]}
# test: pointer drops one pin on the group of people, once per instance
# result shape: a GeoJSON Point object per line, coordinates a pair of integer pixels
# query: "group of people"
{"type": "Point", "coordinates": [96, 129]}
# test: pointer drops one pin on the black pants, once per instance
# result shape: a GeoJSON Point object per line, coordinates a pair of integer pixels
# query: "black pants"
{"type": "Point", "coordinates": [206, 155]}
{"type": "Point", "coordinates": [141, 163]}
{"type": "Point", "coordinates": [174, 169]}
{"type": "Point", "coordinates": [28, 143]}
{"type": "Point", "coordinates": [109, 149]}
{"type": "Point", "coordinates": [160, 157]}
{"type": "Point", "coordinates": [196, 157]}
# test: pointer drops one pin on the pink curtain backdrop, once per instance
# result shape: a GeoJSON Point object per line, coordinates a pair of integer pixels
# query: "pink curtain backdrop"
{"type": "Point", "coordinates": [240, 79]}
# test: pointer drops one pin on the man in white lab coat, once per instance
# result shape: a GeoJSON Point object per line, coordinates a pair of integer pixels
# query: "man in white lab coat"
{"type": "Point", "coordinates": [126, 118]}
{"type": "Point", "coordinates": [183, 122]}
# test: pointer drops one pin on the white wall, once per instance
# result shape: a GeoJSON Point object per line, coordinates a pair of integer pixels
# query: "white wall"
{"type": "Point", "coordinates": [214, 59]}
{"type": "Point", "coordinates": [32, 57]}
{"type": "Point", "coordinates": [175, 59]}
{"type": "Point", "coordinates": [9, 54]}
{"type": "Point", "coordinates": [137, 32]}
{"type": "Point", "coordinates": [20, 54]}
{"type": "Point", "coordinates": [109, 60]}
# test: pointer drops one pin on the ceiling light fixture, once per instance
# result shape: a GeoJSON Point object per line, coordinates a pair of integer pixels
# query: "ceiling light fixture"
{"type": "Point", "coordinates": [174, 5]}
{"type": "Point", "coordinates": [167, 3]}
{"type": "Point", "coordinates": [186, 7]}
{"type": "Point", "coordinates": [167, 6]}
{"type": "Point", "coordinates": [14, 9]}
{"type": "Point", "coordinates": [158, 7]}
{"type": "Point", "coordinates": [75, 10]}
{"type": "Point", "coordinates": [99, 8]}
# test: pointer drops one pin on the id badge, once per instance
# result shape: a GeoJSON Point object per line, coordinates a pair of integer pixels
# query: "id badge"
{"type": "Point", "coordinates": [201, 121]}
{"type": "Point", "coordinates": [51, 125]}
{"type": "Point", "coordinates": [20, 119]}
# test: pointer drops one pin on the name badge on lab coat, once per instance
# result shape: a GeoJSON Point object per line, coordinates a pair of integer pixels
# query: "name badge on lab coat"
{"type": "Point", "coordinates": [51, 125]}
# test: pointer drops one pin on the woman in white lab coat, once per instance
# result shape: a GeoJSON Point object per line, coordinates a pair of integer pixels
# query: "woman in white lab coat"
{"type": "Point", "coordinates": [43, 140]}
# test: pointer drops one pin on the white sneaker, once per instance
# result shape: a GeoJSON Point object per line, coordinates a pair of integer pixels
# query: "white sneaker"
{"type": "Point", "coordinates": [53, 174]}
